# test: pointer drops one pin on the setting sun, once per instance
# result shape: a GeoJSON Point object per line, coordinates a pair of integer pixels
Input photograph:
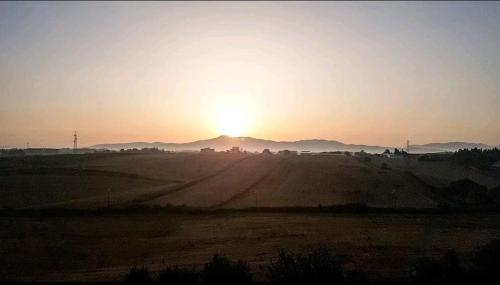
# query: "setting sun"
{"type": "Point", "coordinates": [231, 122]}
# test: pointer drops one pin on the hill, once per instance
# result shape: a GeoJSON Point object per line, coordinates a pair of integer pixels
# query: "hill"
{"type": "Point", "coordinates": [226, 180]}
{"type": "Point", "coordinates": [447, 147]}
{"type": "Point", "coordinates": [222, 143]}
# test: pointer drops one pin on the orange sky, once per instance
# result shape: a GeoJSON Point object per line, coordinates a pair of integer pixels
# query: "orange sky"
{"type": "Point", "coordinates": [366, 73]}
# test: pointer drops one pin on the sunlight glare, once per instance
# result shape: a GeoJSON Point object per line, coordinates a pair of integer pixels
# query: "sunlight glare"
{"type": "Point", "coordinates": [232, 120]}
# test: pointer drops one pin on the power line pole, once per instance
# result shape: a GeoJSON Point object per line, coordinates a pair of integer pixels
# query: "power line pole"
{"type": "Point", "coordinates": [75, 142]}
{"type": "Point", "coordinates": [408, 146]}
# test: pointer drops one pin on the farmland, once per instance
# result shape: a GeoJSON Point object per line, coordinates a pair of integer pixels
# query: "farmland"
{"type": "Point", "coordinates": [100, 248]}
{"type": "Point", "coordinates": [217, 191]}
{"type": "Point", "coordinates": [225, 180]}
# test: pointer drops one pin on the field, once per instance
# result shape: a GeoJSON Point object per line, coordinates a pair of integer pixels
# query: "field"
{"type": "Point", "coordinates": [224, 180]}
{"type": "Point", "coordinates": [218, 190]}
{"type": "Point", "coordinates": [100, 248]}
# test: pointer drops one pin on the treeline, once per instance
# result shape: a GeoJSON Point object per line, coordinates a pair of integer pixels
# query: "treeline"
{"type": "Point", "coordinates": [443, 209]}
{"type": "Point", "coordinates": [323, 266]}
{"type": "Point", "coordinates": [479, 158]}
{"type": "Point", "coordinates": [143, 150]}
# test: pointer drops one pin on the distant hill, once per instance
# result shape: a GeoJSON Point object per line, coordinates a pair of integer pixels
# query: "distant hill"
{"type": "Point", "coordinates": [253, 144]}
{"type": "Point", "coordinates": [446, 147]}
{"type": "Point", "coordinates": [248, 143]}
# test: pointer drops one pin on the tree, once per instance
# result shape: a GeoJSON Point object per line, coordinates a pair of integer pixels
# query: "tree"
{"type": "Point", "coordinates": [139, 276]}
{"type": "Point", "coordinates": [221, 270]}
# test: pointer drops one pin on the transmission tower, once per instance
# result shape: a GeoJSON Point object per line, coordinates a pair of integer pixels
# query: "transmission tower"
{"type": "Point", "coordinates": [75, 142]}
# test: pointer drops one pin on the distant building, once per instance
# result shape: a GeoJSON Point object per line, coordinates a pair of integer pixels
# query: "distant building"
{"type": "Point", "coordinates": [235, 149]}
{"type": "Point", "coordinates": [207, 150]}
{"type": "Point", "coordinates": [393, 155]}
{"type": "Point", "coordinates": [338, 153]}
{"type": "Point", "coordinates": [287, 152]}
{"type": "Point", "coordinates": [305, 152]}
{"type": "Point", "coordinates": [361, 153]}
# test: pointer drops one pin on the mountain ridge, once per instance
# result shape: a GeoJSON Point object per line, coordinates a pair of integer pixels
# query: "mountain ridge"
{"type": "Point", "coordinates": [255, 144]}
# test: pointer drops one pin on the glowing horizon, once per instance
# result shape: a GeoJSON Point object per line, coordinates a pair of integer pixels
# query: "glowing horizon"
{"type": "Point", "coordinates": [360, 73]}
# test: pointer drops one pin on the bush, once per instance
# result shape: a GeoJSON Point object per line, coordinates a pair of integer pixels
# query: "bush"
{"type": "Point", "coordinates": [221, 270]}
{"type": "Point", "coordinates": [446, 271]}
{"type": "Point", "coordinates": [177, 275]}
{"type": "Point", "coordinates": [452, 269]}
{"type": "Point", "coordinates": [486, 262]}
{"type": "Point", "coordinates": [427, 271]}
{"type": "Point", "coordinates": [318, 267]}
{"type": "Point", "coordinates": [139, 276]}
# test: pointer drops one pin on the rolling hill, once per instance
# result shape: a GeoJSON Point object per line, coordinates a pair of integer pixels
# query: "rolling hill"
{"type": "Point", "coordinates": [222, 143]}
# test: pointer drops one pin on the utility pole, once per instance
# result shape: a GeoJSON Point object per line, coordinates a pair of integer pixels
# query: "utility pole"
{"type": "Point", "coordinates": [408, 146]}
{"type": "Point", "coordinates": [27, 145]}
{"type": "Point", "coordinates": [75, 142]}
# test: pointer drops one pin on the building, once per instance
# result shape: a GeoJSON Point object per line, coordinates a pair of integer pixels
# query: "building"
{"type": "Point", "coordinates": [287, 152]}
{"type": "Point", "coordinates": [207, 150]}
{"type": "Point", "coordinates": [361, 153]}
{"type": "Point", "coordinates": [336, 153]}
{"type": "Point", "coordinates": [235, 149]}
{"type": "Point", "coordinates": [266, 151]}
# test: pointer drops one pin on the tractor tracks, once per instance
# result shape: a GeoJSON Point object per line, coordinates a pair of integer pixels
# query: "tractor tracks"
{"type": "Point", "coordinates": [174, 189]}
{"type": "Point", "coordinates": [249, 189]}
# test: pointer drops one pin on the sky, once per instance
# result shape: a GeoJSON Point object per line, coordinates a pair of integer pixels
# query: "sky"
{"type": "Point", "coordinates": [375, 73]}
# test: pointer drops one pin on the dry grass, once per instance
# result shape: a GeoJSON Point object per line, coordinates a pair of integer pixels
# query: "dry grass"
{"type": "Point", "coordinates": [226, 180]}
{"type": "Point", "coordinates": [105, 247]}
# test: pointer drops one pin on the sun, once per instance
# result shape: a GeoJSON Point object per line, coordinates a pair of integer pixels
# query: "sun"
{"type": "Point", "coordinates": [232, 121]}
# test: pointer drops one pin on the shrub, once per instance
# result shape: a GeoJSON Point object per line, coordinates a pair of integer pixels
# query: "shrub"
{"type": "Point", "coordinates": [138, 276]}
{"type": "Point", "coordinates": [486, 262]}
{"type": "Point", "coordinates": [453, 271]}
{"type": "Point", "coordinates": [178, 275]}
{"type": "Point", "coordinates": [446, 271]}
{"type": "Point", "coordinates": [221, 270]}
{"type": "Point", "coordinates": [427, 271]}
{"type": "Point", "coordinates": [318, 267]}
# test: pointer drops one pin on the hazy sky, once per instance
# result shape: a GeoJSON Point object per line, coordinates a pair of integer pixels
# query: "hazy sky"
{"type": "Point", "coordinates": [372, 73]}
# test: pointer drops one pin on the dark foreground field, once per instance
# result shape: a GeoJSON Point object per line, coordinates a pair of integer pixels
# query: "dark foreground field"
{"type": "Point", "coordinates": [91, 247]}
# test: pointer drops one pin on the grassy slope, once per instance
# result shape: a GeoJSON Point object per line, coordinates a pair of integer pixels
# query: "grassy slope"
{"type": "Point", "coordinates": [441, 173]}
{"type": "Point", "coordinates": [19, 191]}
{"type": "Point", "coordinates": [224, 180]}
{"type": "Point", "coordinates": [224, 186]}
{"type": "Point", "coordinates": [315, 180]}
{"type": "Point", "coordinates": [83, 180]}
{"type": "Point", "coordinates": [178, 166]}
{"type": "Point", "coordinates": [274, 181]}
